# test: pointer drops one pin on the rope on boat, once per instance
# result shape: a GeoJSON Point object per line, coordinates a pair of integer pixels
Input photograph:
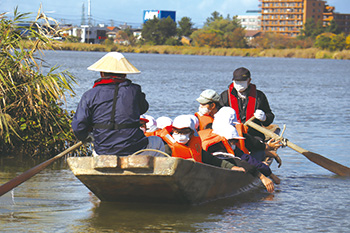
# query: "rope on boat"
{"type": "Point", "coordinates": [154, 150]}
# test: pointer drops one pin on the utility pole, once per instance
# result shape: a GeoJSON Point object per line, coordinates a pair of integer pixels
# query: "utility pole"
{"type": "Point", "coordinates": [89, 20]}
{"type": "Point", "coordinates": [89, 12]}
{"type": "Point", "coordinates": [83, 15]}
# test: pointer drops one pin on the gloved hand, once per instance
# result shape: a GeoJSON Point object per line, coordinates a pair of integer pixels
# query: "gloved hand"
{"type": "Point", "coordinates": [89, 138]}
{"type": "Point", "coordinates": [260, 115]}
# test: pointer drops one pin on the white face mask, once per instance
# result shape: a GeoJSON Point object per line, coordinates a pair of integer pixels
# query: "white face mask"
{"type": "Point", "coordinates": [181, 138]}
{"type": "Point", "coordinates": [240, 86]}
{"type": "Point", "coordinates": [203, 110]}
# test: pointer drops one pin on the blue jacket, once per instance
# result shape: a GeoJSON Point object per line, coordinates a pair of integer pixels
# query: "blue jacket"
{"type": "Point", "coordinates": [95, 107]}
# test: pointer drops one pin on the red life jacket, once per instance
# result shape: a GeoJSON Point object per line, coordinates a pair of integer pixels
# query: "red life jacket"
{"type": "Point", "coordinates": [251, 102]}
{"type": "Point", "coordinates": [192, 150]}
{"type": "Point", "coordinates": [204, 120]}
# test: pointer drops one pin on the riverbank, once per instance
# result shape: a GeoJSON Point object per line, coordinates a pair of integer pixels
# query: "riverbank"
{"type": "Point", "coordinates": [189, 50]}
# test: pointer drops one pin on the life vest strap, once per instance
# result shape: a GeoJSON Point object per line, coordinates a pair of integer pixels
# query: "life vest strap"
{"type": "Point", "coordinates": [116, 126]}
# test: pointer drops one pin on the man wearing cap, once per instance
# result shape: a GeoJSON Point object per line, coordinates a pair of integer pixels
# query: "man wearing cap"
{"type": "Point", "coordinates": [209, 106]}
{"type": "Point", "coordinates": [247, 101]}
{"type": "Point", "coordinates": [112, 109]}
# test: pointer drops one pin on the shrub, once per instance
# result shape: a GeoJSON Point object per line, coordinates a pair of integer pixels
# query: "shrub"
{"type": "Point", "coordinates": [31, 117]}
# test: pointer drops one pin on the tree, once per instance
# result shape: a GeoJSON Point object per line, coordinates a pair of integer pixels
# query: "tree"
{"type": "Point", "coordinates": [214, 16]}
{"type": "Point", "coordinates": [347, 42]}
{"type": "Point", "coordinates": [157, 31]}
{"type": "Point", "coordinates": [332, 27]}
{"type": "Point", "coordinates": [338, 42]}
{"type": "Point", "coordinates": [31, 117]}
{"type": "Point", "coordinates": [220, 32]}
{"type": "Point", "coordinates": [323, 40]}
{"type": "Point", "coordinates": [311, 29]}
{"type": "Point", "coordinates": [185, 27]}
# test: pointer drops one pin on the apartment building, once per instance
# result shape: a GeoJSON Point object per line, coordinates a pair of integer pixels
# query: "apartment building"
{"type": "Point", "coordinates": [287, 17]}
{"type": "Point", "coordinates": [250, 22]}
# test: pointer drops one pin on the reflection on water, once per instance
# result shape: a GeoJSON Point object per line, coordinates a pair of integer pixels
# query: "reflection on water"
{"type": "Point", "coordinates": [309, 96]}
{"type": "Point", "coordinates": [152, 217]}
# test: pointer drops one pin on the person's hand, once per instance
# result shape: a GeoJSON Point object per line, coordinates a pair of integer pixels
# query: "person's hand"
{"type": "Point", "coordinates": [273, 154]}
{"type": "Point", "coordinates": [268, 184]}
{"type": "Point", "coordinates": [273, 145]}
{"type": "Point", "coordinates": [239, 169]}
{"type": "Point", "coordinates": [89, 138]}
{"type": "Point", "coordinates": [260, 115]}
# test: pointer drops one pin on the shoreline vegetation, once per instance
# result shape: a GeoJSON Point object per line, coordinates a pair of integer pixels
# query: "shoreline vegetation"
{"type": "Point", "coordinates": [311, 53]}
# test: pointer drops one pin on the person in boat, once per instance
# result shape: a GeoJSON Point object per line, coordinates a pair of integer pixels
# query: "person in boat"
{"type": "Point", "coordinates": [111, 110]}
{"type": "Point", "coordinates": [182, 141]}
{"type": "Point", "coordinates": [248, 101]}
{"type": "Point", "coordinates": [224, 141]}
{"type": "Point", "coordinates": [227, 116]}
{"type": "Point", "coordinates": [148, 125]}
{"type": "Point", "coordinates": [208, 106]}
{"type": "Point", "coordinates": [163, 122]}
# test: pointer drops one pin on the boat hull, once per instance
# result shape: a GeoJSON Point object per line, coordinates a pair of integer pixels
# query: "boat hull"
{"type": "Point", "coordinates": [142, 178]}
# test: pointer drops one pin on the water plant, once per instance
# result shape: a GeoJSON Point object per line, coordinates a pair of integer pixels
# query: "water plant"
{"type": "Point", "coordinates": [32, 120]}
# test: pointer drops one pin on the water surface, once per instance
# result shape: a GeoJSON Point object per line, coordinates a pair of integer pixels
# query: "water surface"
{"type": "Point", "coordinates": [310, 96]}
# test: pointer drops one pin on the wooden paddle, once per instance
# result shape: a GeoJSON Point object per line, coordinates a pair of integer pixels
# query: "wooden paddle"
{"type": "Point", "coordinates": [33, 171]}
{"type": "Point", "coordinates": [313, 157]}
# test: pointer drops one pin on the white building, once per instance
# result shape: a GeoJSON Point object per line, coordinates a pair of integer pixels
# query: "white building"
{"type": "Point", "coordinates": [250, 22]}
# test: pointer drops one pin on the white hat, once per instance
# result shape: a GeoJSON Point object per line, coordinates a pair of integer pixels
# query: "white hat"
{"type": "Point", "coordinates": [143, 118]}
{"type": "Point", "coordinates": [207, 96]}
{"type": "Point", "coordinates": [151, 125]}
{"type": "Point", "coordinates": [228, 132]}
{"type": "Point", "coordinates": [195, 120]}
{"type": "Point", "coordinates": [225, 116]}
{"type": "Point", "coordinates": [184, 121]}
{"type": "Point", "coordinates": [163, 122]}
{"type": "Point", "coordinates": [114, 62]}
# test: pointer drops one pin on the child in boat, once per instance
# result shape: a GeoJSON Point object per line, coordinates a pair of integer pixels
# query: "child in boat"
{"type": "Point", "coordinates": [224, 141]}
{"type": "Point", "coordinates": [182, 141]}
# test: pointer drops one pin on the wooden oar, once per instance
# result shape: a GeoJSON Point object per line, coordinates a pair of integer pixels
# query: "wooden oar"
{"type": "Point", "coordinates": [35, 170]}
{"type": "Point", "coordinates": [313, 157]}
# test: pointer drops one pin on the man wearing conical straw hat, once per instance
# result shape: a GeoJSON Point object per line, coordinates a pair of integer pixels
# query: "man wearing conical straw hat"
{"type": "Point", "coordinates": [111, 110]}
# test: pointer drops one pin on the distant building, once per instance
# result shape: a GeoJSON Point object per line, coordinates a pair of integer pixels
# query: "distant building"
{"type": "Point", "coordinates": [91, 34]}
{"type": "Point", "coordinates": [150, 14]}
{"type": "Point", "coordinates": [287, 17]}
{"type": "Point", "coordinates": [250, 22]}
{"type": "Point", "coordinates": [251, 34]}
{"type": "Point", "coordinates": [186, 40]}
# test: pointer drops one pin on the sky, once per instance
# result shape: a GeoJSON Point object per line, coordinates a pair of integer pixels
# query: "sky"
{"type": "Point", "coordinates": [118, 12]}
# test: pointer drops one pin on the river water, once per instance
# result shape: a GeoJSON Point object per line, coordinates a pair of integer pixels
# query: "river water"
{"type": "Point", "coordinates": [311, 97]}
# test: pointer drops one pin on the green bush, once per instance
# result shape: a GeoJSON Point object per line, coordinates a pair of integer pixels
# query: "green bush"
{"type": "Point", "coordinates": [31, 118]}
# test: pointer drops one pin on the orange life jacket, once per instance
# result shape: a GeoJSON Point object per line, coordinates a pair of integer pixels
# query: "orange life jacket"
{"type": "Point", "coordinates": [204, 120]}
{"type": "Point", "coordinates": [192, 150]}
{"type": "Point", "coordinates": [209, 138]}
{"type": "Point", "coordinates": [241, 128]}
{"type": "Point", "coordinates": [251, 101]}
{"type": "Point", "coordinates": [154, 133]}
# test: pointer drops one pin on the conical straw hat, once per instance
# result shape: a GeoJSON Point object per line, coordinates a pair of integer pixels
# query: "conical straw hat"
{"type": "Point", "coordinates": [114, 62]}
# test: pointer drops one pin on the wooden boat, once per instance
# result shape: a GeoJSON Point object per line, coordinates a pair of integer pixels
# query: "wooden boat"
{"type": "Point", "coordinates": [143, 178]}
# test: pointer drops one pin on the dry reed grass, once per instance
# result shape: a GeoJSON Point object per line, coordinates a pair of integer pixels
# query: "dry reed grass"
{"type": "Point", "coordinates": [312, 53]}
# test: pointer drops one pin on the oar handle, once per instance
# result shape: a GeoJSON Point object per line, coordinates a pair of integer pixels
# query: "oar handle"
{"type": "Point", "coordinates": [35, 170]}
{"type": "Point", "coordinates": [313, 157]}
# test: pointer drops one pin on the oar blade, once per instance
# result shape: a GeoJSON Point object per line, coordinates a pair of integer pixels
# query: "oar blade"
{"type": "Point", "coordinates": [328, 164]}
